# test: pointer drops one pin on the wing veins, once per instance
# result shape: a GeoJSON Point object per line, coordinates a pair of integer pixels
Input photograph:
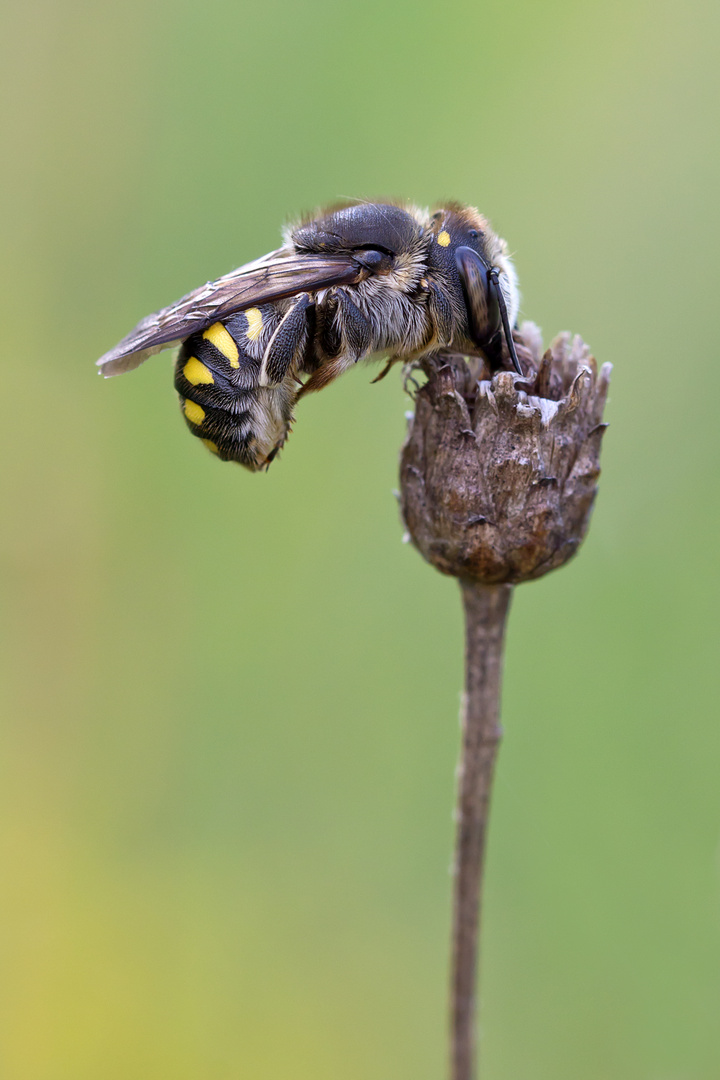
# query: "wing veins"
{"type": "Point", "coordinates": [275, 276]}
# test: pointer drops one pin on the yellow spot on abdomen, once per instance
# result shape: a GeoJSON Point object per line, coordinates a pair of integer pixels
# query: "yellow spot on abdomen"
{"type": "Point", "coordinates": [255, 323]}
{"type": "Point", "coordinates": [195, 372]}
{"type": "Point", "coordinates": [212, 447]}
{"type": "Point", "coordinates": [223, 342]}
{"type": "Point", "coordinates": [194, 413]}
{"type": "Point", "coordinates": [443, 238]}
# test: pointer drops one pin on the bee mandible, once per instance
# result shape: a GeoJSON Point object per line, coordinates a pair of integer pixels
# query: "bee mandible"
{"type": "Point", "coordinates": [353, 281]}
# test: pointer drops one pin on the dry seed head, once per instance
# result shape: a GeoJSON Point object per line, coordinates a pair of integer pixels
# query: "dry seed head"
{"type": "Point", "coordinates": [498, 477]}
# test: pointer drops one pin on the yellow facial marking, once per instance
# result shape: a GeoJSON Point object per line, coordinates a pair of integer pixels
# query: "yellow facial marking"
{"type": "Point", "coordinates": [255, 322]}
{"type": "Point", "coordinates": [222, 341]}
{"type": "Point", "coordinates": [195, 372]}
{"type": "Point", "coordinates": [212, 447]}
{"type": "Point", "coordinates": [443, 238]}
{"type": "Point", "coordinates": [194, 413]}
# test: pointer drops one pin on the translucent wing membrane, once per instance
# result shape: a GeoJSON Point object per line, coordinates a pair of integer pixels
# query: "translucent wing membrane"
{"type": "Point", "coordinates": [281, 273]}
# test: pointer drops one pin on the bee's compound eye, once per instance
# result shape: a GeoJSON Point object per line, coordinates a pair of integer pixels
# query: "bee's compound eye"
{"type": "Point", "coordinates": [473, 233]}
{"type": "Point", "coordinates": [494, 318]}
{"type": "Point", "coordinates": [480, 295]}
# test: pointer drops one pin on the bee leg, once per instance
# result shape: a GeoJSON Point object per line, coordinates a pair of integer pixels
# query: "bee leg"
{"type": "Point", "coordinates": [349, 331]}
{"type": "Point", "coordinates": [287, 343]}
{"type": "Point", "coordinates": [325, 374]}
{"type": "Point", "coordinates": [442, 316]}
{"type": "Point", "coordinates": [497, 294]}
{"type": "Point", "coordinates": [493, 352]}
{"type": "Point", "coordinates": [488, 317]}
{"type": "Point", "coordinates": [354, 328]}
{"type": "Point", "coordinates": [390, 363]}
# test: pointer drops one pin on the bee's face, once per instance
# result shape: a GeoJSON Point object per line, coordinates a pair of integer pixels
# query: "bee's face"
{"type": "Point", "coordinates": [464, 227]}
{"type": "Point", "coordinates": [477, 269]}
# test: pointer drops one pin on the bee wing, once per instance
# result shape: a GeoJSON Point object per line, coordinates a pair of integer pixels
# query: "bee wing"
{"type": "Point", "coordinates": [279, 274]}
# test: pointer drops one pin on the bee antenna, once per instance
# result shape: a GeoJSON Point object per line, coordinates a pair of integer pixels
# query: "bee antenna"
{"type": "Point", "coordinates": [493, 275]}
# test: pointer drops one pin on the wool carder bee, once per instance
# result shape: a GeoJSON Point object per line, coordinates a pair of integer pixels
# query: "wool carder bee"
{"type": "Point", "coordinates": [353, 281]}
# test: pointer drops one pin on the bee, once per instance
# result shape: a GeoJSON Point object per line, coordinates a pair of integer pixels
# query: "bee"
{"type": "Point", "coordinates": [354, 281]}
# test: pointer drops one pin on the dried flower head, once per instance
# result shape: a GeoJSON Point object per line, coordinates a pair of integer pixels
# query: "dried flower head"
{"type": "Point", "coordinates": [498, 476]}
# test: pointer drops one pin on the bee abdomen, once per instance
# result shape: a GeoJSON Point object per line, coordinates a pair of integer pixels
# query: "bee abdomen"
{"type": "Point", "coordinates": [217, 380]}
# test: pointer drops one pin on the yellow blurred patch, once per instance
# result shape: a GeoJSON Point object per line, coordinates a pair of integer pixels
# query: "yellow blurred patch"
{"type": "Point", "coordinates": [443, 238]}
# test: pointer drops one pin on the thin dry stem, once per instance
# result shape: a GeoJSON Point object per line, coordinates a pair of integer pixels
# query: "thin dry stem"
{"type": "Point", "coordinates": [486, 608]}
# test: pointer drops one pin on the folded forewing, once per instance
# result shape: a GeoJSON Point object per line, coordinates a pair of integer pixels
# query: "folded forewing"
{"type": "Point", "coordinates": [281, 273]}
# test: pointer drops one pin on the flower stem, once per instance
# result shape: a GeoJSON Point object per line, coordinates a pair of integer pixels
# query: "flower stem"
{"type": "Point", "coordinates": [486, 608]}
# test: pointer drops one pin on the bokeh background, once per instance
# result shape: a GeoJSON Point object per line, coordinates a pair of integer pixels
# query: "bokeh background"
{"type": "Point", "coordinates": [230, 701]}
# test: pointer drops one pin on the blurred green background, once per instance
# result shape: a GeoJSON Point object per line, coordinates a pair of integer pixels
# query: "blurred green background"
{"type": "Point", "coordinates": [230, 701]}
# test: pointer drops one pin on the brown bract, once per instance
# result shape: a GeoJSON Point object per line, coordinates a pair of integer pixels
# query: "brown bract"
{"type": "Point", "coordinates": [498, 476]}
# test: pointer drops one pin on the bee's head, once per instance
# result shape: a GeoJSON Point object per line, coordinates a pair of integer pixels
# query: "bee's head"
{"type": "Point", "coordinates": [476, 264]}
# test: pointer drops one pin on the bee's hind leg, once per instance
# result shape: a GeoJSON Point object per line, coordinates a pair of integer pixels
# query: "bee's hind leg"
{"type": "Point", "coordinates": [287, 343]}
{"type": "Point", "coordinates": [345, 333]}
